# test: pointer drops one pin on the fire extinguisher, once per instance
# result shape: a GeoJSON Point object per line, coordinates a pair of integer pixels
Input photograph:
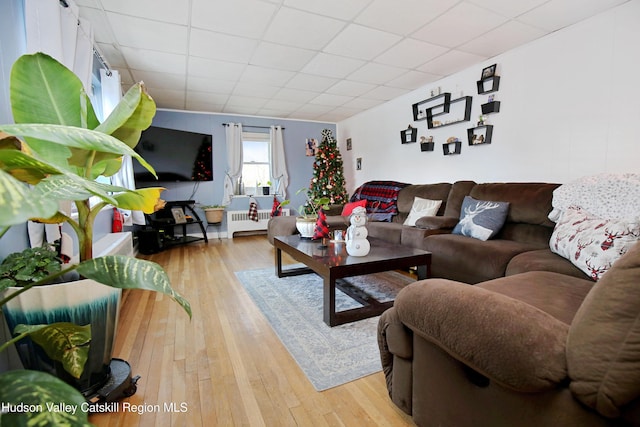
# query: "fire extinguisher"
{"type": "Point", "coordinates": [118, 219]}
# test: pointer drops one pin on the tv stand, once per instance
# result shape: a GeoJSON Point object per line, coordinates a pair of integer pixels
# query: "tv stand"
{"type": "Point", "coordinates": [164, 222]}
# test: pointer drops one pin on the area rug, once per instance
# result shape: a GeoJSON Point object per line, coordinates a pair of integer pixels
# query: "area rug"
{"type": "Point", "coordinates": [293, 306]}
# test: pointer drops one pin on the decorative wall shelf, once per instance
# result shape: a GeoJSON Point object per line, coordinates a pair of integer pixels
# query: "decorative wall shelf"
{"type": "Point", "coordinates": [480, 135]}
{"type": "Point", "coordinates": [459, 108]}
{"type": "Point", "coordinates": [408, 135]}
{"type": "Point", "coordinates": [427, 146]}
{"type": "Point", "coordinates": [450, 148]}
{"type": "Point", "coordinates": [491, 107]}
{"type": "Point", "coordinates": [435, 105]}
{"type": "Point", "coordinates": [488, 85]}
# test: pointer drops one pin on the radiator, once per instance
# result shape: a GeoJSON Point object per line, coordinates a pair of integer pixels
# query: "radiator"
{"type": "Point", "coordinates": [239, 221]}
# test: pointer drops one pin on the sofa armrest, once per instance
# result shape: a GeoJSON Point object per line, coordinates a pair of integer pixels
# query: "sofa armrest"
{"type": "Point", "coordinates": [437, 222]}
{"type": "Point", "coordinates": [509, 341]}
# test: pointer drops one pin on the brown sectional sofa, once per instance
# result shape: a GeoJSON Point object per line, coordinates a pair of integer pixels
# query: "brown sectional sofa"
{"type": "Point", "coordinates": [522, 244]}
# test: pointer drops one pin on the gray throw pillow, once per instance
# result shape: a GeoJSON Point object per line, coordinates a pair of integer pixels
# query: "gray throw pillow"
{"type": "Point", "coordinates": [481, 219]}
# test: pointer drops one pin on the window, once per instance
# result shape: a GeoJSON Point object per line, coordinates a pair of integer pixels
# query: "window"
{"type": "Point", "coordinates": [255, 161]}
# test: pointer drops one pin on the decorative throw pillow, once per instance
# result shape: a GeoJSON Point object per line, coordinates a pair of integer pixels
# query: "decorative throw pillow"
{"type": "Point", "coordinates": [481, 219]}
{"type": "Point", "coordinates": [591, 243]}
{"type": "Point", "coordinates": [349, 207]}
{"type": "Point", "coordinates": [422, 207]}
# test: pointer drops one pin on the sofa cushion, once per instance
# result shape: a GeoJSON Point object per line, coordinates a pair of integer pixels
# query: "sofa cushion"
{"type": "Point", "coordinates": [481, 219]}
{"type": "Point", "coordinates": [592, 244]}
{"type": "Point", "coordinates": [422, 207]}
{"type": "Point", "coordinates": [543, 260]}
{"type": "Point", "coordinates": [603, 345]}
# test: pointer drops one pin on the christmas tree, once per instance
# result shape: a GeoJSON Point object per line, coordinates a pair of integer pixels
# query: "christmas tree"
{"type": "Point", "coordinates": [203, 167]}
{"type": "Point", "coordinates": [328, 173]}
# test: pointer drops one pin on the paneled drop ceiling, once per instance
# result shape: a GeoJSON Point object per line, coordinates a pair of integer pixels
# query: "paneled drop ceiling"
{"type": "Point", "coordinates": [322, 60]}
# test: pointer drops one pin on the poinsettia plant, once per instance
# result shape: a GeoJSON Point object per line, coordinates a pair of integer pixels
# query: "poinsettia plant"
{"type": "Point", "coordinates": [54, 152]}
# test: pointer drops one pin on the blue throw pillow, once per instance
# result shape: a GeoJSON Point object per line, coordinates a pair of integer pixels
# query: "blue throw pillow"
{"type": "Point", "coordinates": [481, 219]}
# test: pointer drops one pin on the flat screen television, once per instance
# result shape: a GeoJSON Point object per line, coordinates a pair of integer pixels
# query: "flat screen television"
{"type": "Point", "coordinates": [175, 155]}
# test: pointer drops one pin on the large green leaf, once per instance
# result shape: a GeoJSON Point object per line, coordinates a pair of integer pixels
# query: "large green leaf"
{"type": "Point", "coordinates": [17, 203]}
{"type": "Point", "coordinates": [40, 390]}
{"type": "Point", "coordinates": [131, 116]}
{"type": "Point", "coordinates": [75, 137]}
{"type": "Point", "coordinates": [44, 91]}
{"type": "Point", "coordinates": [125, 272]}
{"type": "Point", "coordinates": [142, 199]}
{"type": "Point", "coordinates": [71, 187]}
{"type": "Point", "coordinates": [64, 342]}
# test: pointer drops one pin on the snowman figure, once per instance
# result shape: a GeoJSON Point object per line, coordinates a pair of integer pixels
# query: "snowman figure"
{"type": "Point", "coordinates": [356, 239]}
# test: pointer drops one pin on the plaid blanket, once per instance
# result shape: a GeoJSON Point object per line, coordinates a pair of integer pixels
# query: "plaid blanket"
{"type": "Point", "coordinates": [381, 197]}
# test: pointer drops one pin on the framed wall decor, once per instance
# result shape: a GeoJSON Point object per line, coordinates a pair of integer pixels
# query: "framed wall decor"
{"type": "Point", "coordinates": [488, 72]}
{"type": "Point", "coordinates": [349, 144]}
{"type": "Point", "coordinates": [311, 145]}
{"type": "Point", "coordinates": [178, 216]}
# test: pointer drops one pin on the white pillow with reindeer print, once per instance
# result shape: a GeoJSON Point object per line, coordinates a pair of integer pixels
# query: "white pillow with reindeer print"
{"type": "Point", "coordinates": [481, 219]}
{"type": "Point", "coordinates": [591, 243]}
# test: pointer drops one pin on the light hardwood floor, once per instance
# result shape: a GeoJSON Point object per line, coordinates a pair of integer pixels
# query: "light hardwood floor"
{"type": "Point", "coordinates": [226, 367]}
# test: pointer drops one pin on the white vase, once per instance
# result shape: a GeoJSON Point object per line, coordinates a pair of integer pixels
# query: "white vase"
{"type": "Point", "coordinates": [81, 302]}
{"type": "Point", "coordinates": [306, 226]}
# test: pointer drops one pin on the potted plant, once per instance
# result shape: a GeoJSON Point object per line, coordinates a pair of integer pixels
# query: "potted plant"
{"type": "Point", "coordinates": [308, 213]}
{"type": "Point", "coordinates": [62, 150]}
{"type": "Point", "coordinates": [213, 213]}
{"type": "Point", "coordinates": [266, 189]}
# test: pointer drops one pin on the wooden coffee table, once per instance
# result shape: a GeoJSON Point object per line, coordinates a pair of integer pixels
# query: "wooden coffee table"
{"type": "Point", "coordinates": [332, 262]}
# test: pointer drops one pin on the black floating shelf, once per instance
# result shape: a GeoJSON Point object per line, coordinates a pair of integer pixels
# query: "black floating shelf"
{"type": "Point", "coordinates": [494, 82]}
{"type": "Point", "coordinates": [480, 135]}
{"type": "Point", "coordinates": [491, 107]}
{"type": "Point", "coordinates": [427, 146]}
{"type": "Point", "coordinates": [467, 113]}
{"type": "Point", "coordinates": [450, 148]}
{"type": "Point", "coordinates": [424, 108]}
{"type": "Point", "coordinates": [409, 135]}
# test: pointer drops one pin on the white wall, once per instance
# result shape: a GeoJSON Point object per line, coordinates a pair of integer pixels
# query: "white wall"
{"type": "Point", "coordinates": [570, 107]}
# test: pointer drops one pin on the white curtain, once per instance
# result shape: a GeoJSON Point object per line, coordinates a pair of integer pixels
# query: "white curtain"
{"type": "Point", "coordinates": [234, 160]}
{"type": "Point", "coordinates": [111, 95]}
{"type": "Point", "coordinates": [278, 172]}
{"type": "Point", "coordinates": [58, 31]}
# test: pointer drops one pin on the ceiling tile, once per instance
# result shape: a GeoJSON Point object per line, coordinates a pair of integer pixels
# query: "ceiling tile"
{"type": "Point", "coordinates": [413, 80]}
{"type": "Point", "coordinates": [110, 51]}
{"type": "Point", "coordinates": [289, 106]}
{"type": "Point", "coordinates": [329, 99]}
{"type": "Point", "coordinates": [385, 93]}
{"type": "Point", "coordinates": [211, 68]}
{"type": "Point", "coordinates": [501, 39]}
{"type": "Point", "coordinates": [194, 105]}
{"type": "Point", "coordinates": [340, 9]}
{"type": "Point", "coordinates": [451, 62]}
{"type": "Point", "coordinates": [310, 82]}
{"type": "Point", "coordinates": [266, 76]}
{"type": "Point", "coordinates": [255, 89]}
{"type": "Point", "coordinates": [402, 16]}
{"type": "Point", "coordinates": [376, 73]}
{"type": "Point", "coordinates": [172, 11]}
{"type": "Point", "coordinates": [349, 88]}
{"type": "Point", "coordinates": [410, 53]}
{"type": "Point", "coordinates": [509, 8]}
{"type": "Point", "coordinates": [281, 57]}
{"type": "Point", "coordinates": [327, 65]}
{"type": "Point", "coordinates": [557, 14]}
{"type": "Point", "coordinates": [459, 25]}
{"type": "Point", "coordinates": [295, 95]}
{"type": "Point", "coordinates": [207, 97]}
{"type": "Point", "coordinates": [246, 101]}
{"type": "Point", "coordinates": [200, 84]}
{"type": "Point", "coordinates": [151, 60]}
{"type": "Point", "coordinates": [211, 45]}
{"type": "Point", "coordinates": [361, 42]}
{"type": "Point", "coordinates": [168, 98]}
{"type": "Point", "coordinates": [154, 79]}
{"type": "Point", "coordinates": [301, 29]}
{"type": "Point", "coordinates": [231, 17]}
{"type": "Point", "coordinates": [146, 34]}
{"type": "Point", "coordinates": [362, 103]}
